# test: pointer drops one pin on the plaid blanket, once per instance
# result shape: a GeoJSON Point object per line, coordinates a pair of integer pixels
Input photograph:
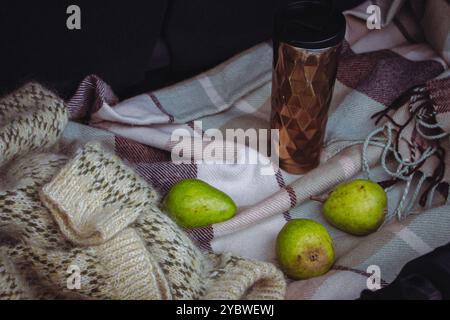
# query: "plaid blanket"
{"type": "Point", "coordinates": [376, 67]}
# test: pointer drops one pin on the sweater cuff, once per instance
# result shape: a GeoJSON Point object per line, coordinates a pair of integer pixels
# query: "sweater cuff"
{"type": "Point", "coordinates": [236, 278]}
{"type": "Point", "coordinates": [95, 196]}
{"type": "Point", "coordinates": [133, 272]}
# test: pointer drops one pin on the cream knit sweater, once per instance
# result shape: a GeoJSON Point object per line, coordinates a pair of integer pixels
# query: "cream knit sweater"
{"type": "Point", "coordinates": [93, 213]}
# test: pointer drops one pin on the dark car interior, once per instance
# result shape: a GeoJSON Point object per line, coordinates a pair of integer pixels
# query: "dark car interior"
{"type": "Point", "coordinates": [134, 48]}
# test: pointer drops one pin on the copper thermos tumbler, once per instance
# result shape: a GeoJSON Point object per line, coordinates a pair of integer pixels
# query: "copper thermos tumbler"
{"type": "Point", "coordinates": [307, 40]}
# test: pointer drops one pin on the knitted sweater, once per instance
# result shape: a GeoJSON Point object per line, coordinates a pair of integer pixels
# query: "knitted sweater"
{"type": "Point", "coordinates": [91, 214]}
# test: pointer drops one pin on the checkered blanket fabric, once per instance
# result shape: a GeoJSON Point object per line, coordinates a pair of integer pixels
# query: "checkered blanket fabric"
{"type": "Point", "coordinates": [376, 69]}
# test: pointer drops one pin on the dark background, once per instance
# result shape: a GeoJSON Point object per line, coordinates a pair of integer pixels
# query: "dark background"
{"type": "Point", "coordinates": [133, 45]}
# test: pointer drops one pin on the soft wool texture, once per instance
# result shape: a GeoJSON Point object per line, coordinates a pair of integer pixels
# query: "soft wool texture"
{"type": "Point", "coordinates": [93, 212]}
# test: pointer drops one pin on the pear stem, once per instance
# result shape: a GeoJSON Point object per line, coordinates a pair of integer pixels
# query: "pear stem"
{"type": "Point", "coordinates": [320, 199]}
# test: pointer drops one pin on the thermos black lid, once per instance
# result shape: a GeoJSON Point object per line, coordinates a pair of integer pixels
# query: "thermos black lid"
{"type": "Point", "coordinates": [309, 24]}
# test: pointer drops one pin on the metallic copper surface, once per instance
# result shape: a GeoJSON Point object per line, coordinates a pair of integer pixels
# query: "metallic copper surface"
{"type": "Point", "coordinates": [302, 88]}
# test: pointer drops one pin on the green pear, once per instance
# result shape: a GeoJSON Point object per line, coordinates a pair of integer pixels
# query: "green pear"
{"type": "Point", "coordinates": [304, 249]}
{"type": "Point", "coordinates": [194, 203]}
{"type": "Point", "coordinates": [357, 207]}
